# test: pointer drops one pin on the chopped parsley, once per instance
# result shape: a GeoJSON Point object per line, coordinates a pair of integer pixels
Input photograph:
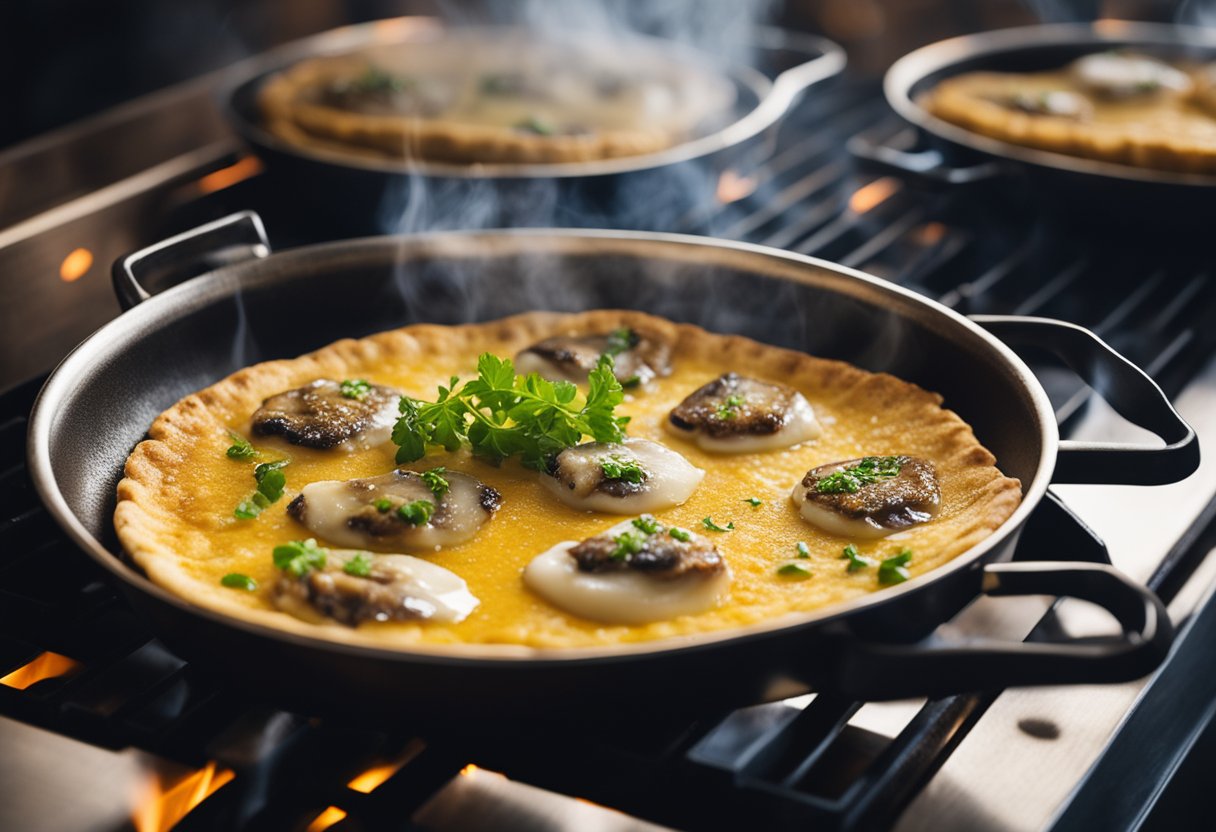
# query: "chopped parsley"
{"type": "Point", "coordinates": [235, 580]}
{"type": "Point", "coordinates": [625, 470]}
{"type": "Point", "coordinates": [417, 513]}
{"type": "Point", "coordinates": [708, 523]}
{"type": "Point", "coordinates": [271, 481]}
{"type": "Point", "coordinates": [240, 449]}
{"type": "Point", "coordinates": [375, 79]}
{"type": "Point", "coordinates": [384, 505]}
{"type": "Point", "coordinates": [435, 481]}
{"type": "Point", "coordinates": [619, 341]}
{"type": "Point", "coordinates": [754, 502]}
{"type": "Point", "coordinates": [355, 388]}
{"type": "Point", "coordinates": [360, 566]}
{"type": "Point", "coordinates": [536, 125]}
{"type": "Point", "coordinates": [682, 535]}
{"type": "Point", "coordinates": [299, 557]}
{"type": "Point", "coordinates": [794, 571]}
{"type": "Point", "coordinates": [500, 414]}
{"type": "Point", "coordinates": [628, 544]}
{"type": "Point", "coordinates": [802, 549]}
{"type": "Point", "coordinates": [646, 523]}
{"type": "Point", "coordinates": [856, 561]}
{"type": "Point", "coordinates": [850, 480]}
{"type": "Point", "coordinates": [894, 570]}
{"type": "Point", "coordinates": [729, 409]}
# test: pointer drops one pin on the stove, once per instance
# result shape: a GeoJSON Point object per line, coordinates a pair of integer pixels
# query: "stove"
{"type": "Point", "coordinates": [103, 728]}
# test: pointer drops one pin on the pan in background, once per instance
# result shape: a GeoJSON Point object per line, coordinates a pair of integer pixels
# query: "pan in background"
{"type": "Point", "coordinates": [349, 189]}
{"type": "Point", "coordinates": [1077, 188]}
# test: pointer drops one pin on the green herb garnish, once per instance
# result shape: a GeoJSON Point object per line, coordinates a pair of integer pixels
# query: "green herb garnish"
{"type": "Point", "coordinates": [856, 561]}
{"type": "Point", "coordinates": [375, 79]}
{"type": "Point", "coordinates": [708, 523]}
{"type": "Point", "coordinates": [355, 388]}
{"type": "Point", "coordinates": [754, 502]}
{"type": "Point", "coordinates": [299, 557]}
{"type": "Point", "coordinates": [850, 480]}
{"type": "Point", "coordinates": [271, 481]}
{"type": "Point", "coordinates": [240, 449]}
{"type": "Point", "coordinates": [682, 535]}
{"type": "Point", "coordinates": [235, 580]}
{"type": "Point", "coordinates": [794, 571]}
{"type": "Point", "coordinates": [628, 544]}
{"type": "Point", "coordinates": [632, 382]}
{"type": "Point", "coordinates": [894, 570]}
{"type": "Point", "coordinates": [499, 415]}
{"type": "Point", "coordinates": [417, 513]}
{"type": "Point", "coordinates": [620, 340]}
{"type": "Point", "coordinates": [626, 470]}
{"type": "Point", "coordinates": [536, 125]}
{"type": "Point", "coordinates": [384, 505]}
{"type": "Point", "coordinates": [646, 523]}
{"type": "Point", "coordinates": [729, 408]}
{"type": "Point", "coordinates": [360, 566]}
{"type": "Point", "coordinates": [802, 549]}
{"type": "Point", "coordinates": [434, 480]}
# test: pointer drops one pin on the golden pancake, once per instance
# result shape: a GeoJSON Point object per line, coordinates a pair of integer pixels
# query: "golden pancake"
{"type": "Point", "coordinates": [175, 505]}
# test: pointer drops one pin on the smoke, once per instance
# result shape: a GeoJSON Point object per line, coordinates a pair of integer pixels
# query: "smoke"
{"type": "Point", "coordinates": [1196, 13]}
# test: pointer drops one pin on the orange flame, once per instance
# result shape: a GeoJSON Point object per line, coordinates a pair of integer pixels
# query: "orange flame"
{"type": "Point", "coordinates": [326, 819]}
{"type": "Point", "coordinates": [46, 666]}
{"type": "Point", "coordinates": [733, 187]}
{"type": "Point", "coordinates": [74, 266]}
{"type": "Point", "coordinates": [868, 197]}
{"type": "Point", "coordinates": [160, 806]}
{"type": "Point", "coordinates": [469, 770]}
{"type": "Point", "coordinates": [931, 233]}
{"type": "Point", "coordinates": [373, 777]}
{"type": "Point", "coordinates": [238, 171]}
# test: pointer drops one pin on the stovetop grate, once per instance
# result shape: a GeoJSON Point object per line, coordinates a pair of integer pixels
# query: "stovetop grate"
{"type": "Point", "coordinates": [776, 765]}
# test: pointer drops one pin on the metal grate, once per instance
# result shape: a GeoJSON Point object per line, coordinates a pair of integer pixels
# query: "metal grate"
{"type": "Point", "coordinates": [772, 766]}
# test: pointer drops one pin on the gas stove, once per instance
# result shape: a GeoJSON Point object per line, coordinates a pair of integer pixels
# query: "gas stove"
{"type": "Point", "coordinates": [102, 727]}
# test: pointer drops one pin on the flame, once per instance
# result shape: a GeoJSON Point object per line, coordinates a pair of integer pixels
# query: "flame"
{"type": "Point", "coordinates": [373, 777]}
{"type": "Point", "coordinates": [469, 770]}
{"type": "Point", "coordinates": [160, 806]}
{"type": "Point", "coordinates": [1111, 26]}
{"type": "Point", "coordinates": [868, 197]}
{"type": "Point", "coordinates": [238, 171]}
{"type": "Point", "coordinates": [74, 266]}
{"type": "Point", "coordinates": [46, 666]}
{"type": "Point", "coordinates": [931, 233]}
{"type": "Point", "coordinates": [326, 819]}
{"type": "Point", "coordinates": [732, 186]}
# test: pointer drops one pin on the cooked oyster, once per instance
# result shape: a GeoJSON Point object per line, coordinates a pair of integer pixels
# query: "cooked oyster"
{"type": "Point", "coordinates": [634, 476]}
{"type": "Point", "coordinates": [1125, 75]}
{"type": "Point", "coordinates": [633, 573]}
{"type": "Point", "coordinates": [736, 414]}
{"type": "Point", "coordinates": [385, 588]}
{"type": "Point", "coordinates": [1058, 103]}
{"type": "Point", "coordinates": [869, 497]}
{"type": "Point", "coordinates": [637, 356]}
{"type": "Point", "coordinates": [327, 414]}
{"type": "Point", "coordinates": [398, 510]}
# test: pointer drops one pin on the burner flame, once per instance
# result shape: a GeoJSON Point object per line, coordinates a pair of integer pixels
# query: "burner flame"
{"type": "Point", "coordinates": [868, 197]}
{"type": "Point", "coordinates": [239, 171]}
{"type": "Point", "coordinates": [733, 186]}
{"type": "Point", "coordinates": [46, 666]}
{"type": "Point", "coordinates": [326, 819]}
{"type": "Point", "coordinates": [160, 805]}
{"type": "Point", "coordinates": [75, 265]}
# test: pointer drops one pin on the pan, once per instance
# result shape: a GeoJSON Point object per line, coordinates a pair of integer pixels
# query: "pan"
{"type": "Point", "coordinates": [258, 306]}
{"type": "Point", "coordinates": [350, 189]}
{"type": "Point", "coordinates": [950, 157]}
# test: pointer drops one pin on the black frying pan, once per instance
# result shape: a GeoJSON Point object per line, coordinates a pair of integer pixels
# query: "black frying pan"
{"type": "Point", "coordinates": [955, 157]}
{"type": "Point", "coordinates": [350, 188]}
{"type": "Point", "coordinates": [98, 403]}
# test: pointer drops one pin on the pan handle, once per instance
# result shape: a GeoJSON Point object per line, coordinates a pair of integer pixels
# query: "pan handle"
{"type": "Point", "coordinates": [149, 271]}
{"type": "Point", "coordinates": [829, 59]}
{"type": "Point", "coordinates": [1127, 388]}
{"type": "Point", "coordinates": [872, 671]}
{"type": "Point", "coordinates": [926, 168]}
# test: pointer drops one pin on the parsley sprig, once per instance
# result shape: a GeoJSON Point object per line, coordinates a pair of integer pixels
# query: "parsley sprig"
{"type": "Point", "coordinates": [434, 479]}
{"type": "Point", "coordinates": [500, 414]}
{"type": "Point", "coordinates": [894, 570]}
{"type": "Point", "coordinates": [270, 481]}
{"type": "Point", "coordinates": [627, 470]}
{"type": "Point", "coordinates": [856, 560]}
{"type": "Point", "coordinates": [850, 480]}
{"type": "Point", "coordinates": [299, 557]}
{"type": "Point", "coordinates": [708, 522]}
{"type": "Point", "coordinates": [355, 388]}
{"type": "Point", "coordinates": [240, 449]}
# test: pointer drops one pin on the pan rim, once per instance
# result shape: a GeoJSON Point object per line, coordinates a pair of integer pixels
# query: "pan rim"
{"type": "Point", "coordinates": [915, 66]}
{"type": "Point", "coordinates": [770, 107]}
{"type": "Point", "coordinates": [222, 282]}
